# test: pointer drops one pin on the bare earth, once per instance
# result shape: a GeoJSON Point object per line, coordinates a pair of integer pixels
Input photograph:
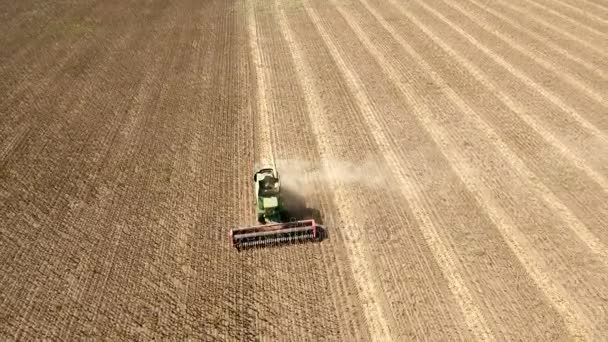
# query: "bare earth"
{"type": "Point", "coordinates": [129, 131]}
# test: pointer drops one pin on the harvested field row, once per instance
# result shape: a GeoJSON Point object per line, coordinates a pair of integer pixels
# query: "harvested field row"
{"type": "Point", "coordinates": [455, 152]}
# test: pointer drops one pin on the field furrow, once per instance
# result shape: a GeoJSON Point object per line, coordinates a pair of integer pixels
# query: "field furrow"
{"type": "Point", "coordinates": [593, 73]}
{"type": "Point", "coordinates": [532, 58]}
{"type": "Point", "coordinates": [556, 123]}
{"type": "Point", "coordinates": [453, 154]}
{"type": "Point", "coordinates": [442, 253]}
{"type": "Point", "coordinates": [593, 48]}
{"type": "Point", "coordinates": [588, 22]}
{"type": "Point", "coordinates": [532, 150]}
{"type": "Point", "coordinates": [429, 123]}
{"type": "Point", "coordinates": [321, 109]}
{"type": "Point", "coordinates": [273, 88]}
{"type": "Point", "coordinates": [578, 111]}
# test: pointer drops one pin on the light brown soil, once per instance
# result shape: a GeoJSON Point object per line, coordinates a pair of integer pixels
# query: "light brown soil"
{"type": "Point", "coordinates": [129, 131]}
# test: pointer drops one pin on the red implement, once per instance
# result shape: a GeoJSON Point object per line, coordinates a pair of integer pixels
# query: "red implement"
{"type": "Point", "coordinates": [273, 233]}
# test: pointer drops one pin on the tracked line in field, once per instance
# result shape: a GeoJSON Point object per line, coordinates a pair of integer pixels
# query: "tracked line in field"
{"type": "Point", "coordinates": [569, 78]}
{"type": "Point", "coordinates": [241, 81]}
{"type": "Point", "coordinates": [445, 257]}
{"type": "Point", "coordinates": [428, 259]}
{"type": "Point", "coordinates": [555, 28]}
{"type": "Point", "coordinates": [21, 52]}
{"type": "Point", "coordinates": [102, 283]}
{"type": "Point", "coordinates": [588, 14]}
{"type": "Point", "coordinates": [553, 98]}
{"type": "Point", "coordinates": [10, 143]}
{"type": "Point", "coordinates": [544, 40]}
{"type": "Point", "coordinates": [515, 106]}
{"type": "Point", "coordinates": [54, 207]}
{"type": "Point", "coordinates": [596, 5]}
{"type": "Point", "coordinates": [128, 130]}
{"type": "Point", "coordinates": [50, 72]}
{"type": "Point", "coordinates": [511, 103]}
{"type": "Point", "coordinates": [266, 51]}
{"type": "Point", "coordinates": [579, 228]}
{"type": "Point", "coordinates": [532, 261]}
{"type": "Point", "coordinates": [246, 145]}
{"type": "Point", "coordinates": [181, 207]}
{"type": "Point", "coordinates": [127, 139]}
{"type": "Point", "coordinates": [566, 18]}
{"type": "Point", "coordinates": [264, 144]}
{"type": "Point", "coordinates": [10, 103]}
{"type": "Point", "coordinates": [362, 271]}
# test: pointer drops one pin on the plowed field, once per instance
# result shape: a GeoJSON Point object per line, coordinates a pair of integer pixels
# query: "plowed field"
{"type": "Point", "coordinates": [456, 152]}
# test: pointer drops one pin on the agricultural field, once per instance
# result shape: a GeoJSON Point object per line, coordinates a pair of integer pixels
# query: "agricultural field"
{"type": "Point", "coordinates": [456, 153]}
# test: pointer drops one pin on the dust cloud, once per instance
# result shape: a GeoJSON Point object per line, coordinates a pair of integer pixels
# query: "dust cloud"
{"type": "Point", "coordinates": [307, 178]}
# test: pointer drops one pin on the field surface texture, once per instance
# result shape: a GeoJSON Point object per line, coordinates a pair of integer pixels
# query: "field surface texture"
{"type": "Point", "coordinates": [456, 153]}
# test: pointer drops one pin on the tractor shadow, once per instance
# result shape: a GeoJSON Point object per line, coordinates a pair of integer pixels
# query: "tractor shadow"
{"type": "Point", "coordinates": [295, 209]}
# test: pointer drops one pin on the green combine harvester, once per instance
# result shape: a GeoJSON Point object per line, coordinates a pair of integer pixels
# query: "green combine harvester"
{"type": "Point", "coordinates": [275, 224]}
{"type": "Point", "coordinates": [267, 187]}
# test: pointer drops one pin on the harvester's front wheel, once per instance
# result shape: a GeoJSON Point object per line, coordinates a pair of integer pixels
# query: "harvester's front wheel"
{"type": "Point", "coordinates": [261, 219]}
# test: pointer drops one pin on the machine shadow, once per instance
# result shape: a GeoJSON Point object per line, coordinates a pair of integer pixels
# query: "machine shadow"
{"type": "Point", "coordinates": [295, 209]}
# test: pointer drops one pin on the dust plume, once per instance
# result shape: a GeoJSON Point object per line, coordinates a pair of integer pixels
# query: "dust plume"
{"type": "Point", "coordinates": [306, 178]}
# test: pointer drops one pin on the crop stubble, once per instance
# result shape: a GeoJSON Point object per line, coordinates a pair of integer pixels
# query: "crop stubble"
{"type": "Point", "coordinates": [129, 131]}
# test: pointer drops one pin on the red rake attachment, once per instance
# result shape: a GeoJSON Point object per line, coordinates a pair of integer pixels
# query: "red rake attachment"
{"type": "Point", "coordinates": [274, 233]}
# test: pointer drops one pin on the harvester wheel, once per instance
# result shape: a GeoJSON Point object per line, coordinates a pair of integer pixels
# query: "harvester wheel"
{"type": "Point", "coordinates": [261, 219]}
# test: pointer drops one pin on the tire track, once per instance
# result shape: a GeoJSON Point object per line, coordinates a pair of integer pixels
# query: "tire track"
{"type": "Point", "coordinates": [576, 139]}
{"type": "Point", "coordinates": [43, 34]}
{"type": "Point", "coordinates": [151, 282]}
{"type": "Point", "coordinates": [97, 280]}
{"type": "Point", "coordinates": [277, 272]}
{"type": "Point", "coordinates": [170, 232]}
{"type": "Point", "coordinates": [45, 66]}
{"type": "Point", "coordinates": [591, 46]}
{"type": "Point", "coordinates": [428, 202]}
{"type": "Point", "coordinates": [361, 32]}
{"type": "Point", "coordinates": [117, 196]}
{"type": "Point", "coordinates": [305, 30]}
{"type": "Point", "coordinates": [580, 229]}
{"type": "Point", "coordinates": [597, 6]}
{"type": "Point", "coordinates": [232, 314]}
{"type": "Point", "coordinates": [11, 142]}
{"type": "Point", "coordinates": [547, 93]}
{"type": "Point", "coordinates": [12, 104]}
{"type": "Point", "coordinates": [557, 180]}
{"type": "Point", "coordinates": [264, 145]}
{"type": "Point", "coordinates": [580, 22]}
{"type": "Point", "coordinates": [443, 254]}
{"type": "Point", "coordinates": [586, 12]}
{"type": "Point", "coordinates": [54, 258]}
{"type": "Point", "coordinates": [124, 251]}
{"type": "Point", "coordinates": [56, 207]}
{"type": "Point", "coordinates": [516, 239]}
{"type": "Point", "coordinates": [543, 39]}
{"type": "Point", "coordinates": [366, 285]}
{"type": "Point", "coordinates": [314, 312]}
{"type": "Point", "coordinates": [574, 81]}
{"type": "Point", "coordinates": [519, 108]}
{"type": "Point", "coordinates": [246, 146]}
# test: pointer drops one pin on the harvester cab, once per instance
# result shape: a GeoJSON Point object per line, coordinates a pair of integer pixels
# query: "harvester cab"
{"type": "Point", "coordinates": [267, 190]}
{"type": "Point", "coordinates": [275, 224]}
